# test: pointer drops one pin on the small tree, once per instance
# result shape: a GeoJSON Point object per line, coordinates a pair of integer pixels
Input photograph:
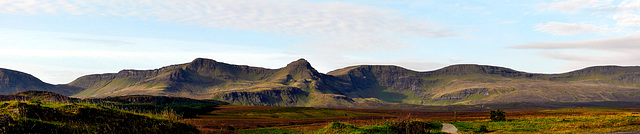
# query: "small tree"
{"type": "Point", "coordinates": [497, 115]}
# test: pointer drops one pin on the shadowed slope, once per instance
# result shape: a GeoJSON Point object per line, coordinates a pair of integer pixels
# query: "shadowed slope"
{"type": "Point", "coordinates": [14, 81]}
{"type": "Point", "coordinates": [44, 96]}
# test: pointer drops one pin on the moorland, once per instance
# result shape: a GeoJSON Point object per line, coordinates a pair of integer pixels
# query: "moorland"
{"type": "Point", "coordinates": [46, 112]}
{"type": "Point", "coordinates": [207, 96]}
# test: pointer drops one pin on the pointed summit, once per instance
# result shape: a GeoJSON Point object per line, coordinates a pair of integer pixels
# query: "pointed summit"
{"type": "Point", "coordinates": [300, 68]}
{"type": "Point", "coordinates": [300, 63]}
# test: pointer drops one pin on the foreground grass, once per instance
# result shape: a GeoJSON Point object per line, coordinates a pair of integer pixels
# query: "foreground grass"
{"type": "Point", "coordinates": [565, 120]}
{"type": "Point", "coordinates": [412, 127]}
{"type": "Point", "coordinates": [52, 117]}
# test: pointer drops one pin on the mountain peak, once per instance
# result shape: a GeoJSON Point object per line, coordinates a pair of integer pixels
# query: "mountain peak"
{"type": "Point", "coordinates": [300, 63]}
{"type": "Point", "coordinates": [300, 68]}
{"type": "Point", "coordinates": [202, 63]}
{"type": "Point", "coordinates": [301, 60]}
{"type": "Point", "coordinates": [202, 60]}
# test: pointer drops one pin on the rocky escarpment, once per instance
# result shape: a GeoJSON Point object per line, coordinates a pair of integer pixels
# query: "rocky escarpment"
{"type": "Point", "coordinates": [464, 94]}
{"type": "Point", "coordinates": [273, 97]}
{"type": "Point", "coordinates": [395, 78]}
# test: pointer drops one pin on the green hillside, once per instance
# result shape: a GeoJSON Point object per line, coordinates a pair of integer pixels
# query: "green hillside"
{"type": "Point", "coordinates": [48, 112]}
{"type": "Point", "coordinates": [299, 84]}
{"type": "Point", "coordinates": [477, 84]}
{"type": "Point", "coordinates": [293, 85]}
{"type": "Point", "coordinates": [50, 117]}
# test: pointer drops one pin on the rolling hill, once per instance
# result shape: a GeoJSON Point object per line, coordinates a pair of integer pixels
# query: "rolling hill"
{"type": "Point", "coordinates": [477, 84]}
{"type": "Point", "coordinates": [299, 84]}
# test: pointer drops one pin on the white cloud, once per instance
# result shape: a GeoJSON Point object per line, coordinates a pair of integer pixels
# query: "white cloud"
{"type": "Point", "coordinates": [362, 44]}
{"type": "Point", "coordinates": [574, 6]}
{"type": "Point", "coordinates": [568, 56]}
{"type": "Point", "coordinates": [610, 51]}
{"type": "Point", "coordinates": [626, 12]}
{"type": "Point", "coordinates": [608, 44]}
{"type": "Point", "coordinates": [560, 28]}
{"type": "Point", "coordinates": [320, 20]}
{"type": "Point", "coordinates": [624, 6]}
{"type": "Point", "coordinates": [627, 19]}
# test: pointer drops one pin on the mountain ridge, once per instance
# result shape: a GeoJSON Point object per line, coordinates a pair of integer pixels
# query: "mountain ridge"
{"type": "Point", "coordinates": [299, 84]}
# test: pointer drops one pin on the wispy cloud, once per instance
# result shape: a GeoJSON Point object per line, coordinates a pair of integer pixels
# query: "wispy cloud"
{"type": "Point", "coordinates": [619, 51]}
{"type": "Point", "coordinates": [627, 19]}
{"type": "Point", "coordinates": [319, 20]}
{"type": "Point", "coordinates": [626, 13]}
{"type": "Point", "coordinates": [508, 22]}
{"type": "Point", "coordinates": [608, 44]}
{"type": "Point", "coordinates": [112, 42]}
{"type": "Point", "coordinates": [574, 6]}
{"type": "Point", "coordinates": [560, 28]}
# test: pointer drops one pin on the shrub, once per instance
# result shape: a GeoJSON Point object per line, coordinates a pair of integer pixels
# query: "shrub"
{"type": "Point", "coordinates": [497, 115]}
{"type": "Point", "coordinates": [414, 127]}
{"type": "Point", "coordinates": [483, 129]}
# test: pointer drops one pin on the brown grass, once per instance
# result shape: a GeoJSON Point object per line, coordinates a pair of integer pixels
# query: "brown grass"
{"type": "Point", "coordinates": [227, 119]}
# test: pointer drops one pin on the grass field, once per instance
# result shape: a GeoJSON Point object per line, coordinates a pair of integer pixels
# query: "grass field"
{"type": "Point", "coordinates": [148, 114]}
{"type": "Point", "coordinates": [563, 120]}
{"type": "Point", "coordinates": [263, 119]}
{"type": "Point", "coordinates": [52, 117]}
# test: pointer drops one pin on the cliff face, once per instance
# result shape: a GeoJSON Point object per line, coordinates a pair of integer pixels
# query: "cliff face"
{"type": "Point", "coordinates": [274, 97]}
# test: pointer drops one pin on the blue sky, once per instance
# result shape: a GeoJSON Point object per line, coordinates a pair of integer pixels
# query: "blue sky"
{"type": "Point", "coordinates": [60, 40]}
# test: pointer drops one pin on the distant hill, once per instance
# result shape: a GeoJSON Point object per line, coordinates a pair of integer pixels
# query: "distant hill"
{"type": "Point", "coordinates": [44, 96]}
{"type": "Point", "coordinates": [370, 86]}
{"type": "Point", "coordinates": [14, 81]}
{"type": "Point", "coordinates": [478, 84]}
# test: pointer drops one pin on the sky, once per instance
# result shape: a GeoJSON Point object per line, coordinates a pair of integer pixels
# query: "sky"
{"type": "Point", "coordinates": [61, 40]}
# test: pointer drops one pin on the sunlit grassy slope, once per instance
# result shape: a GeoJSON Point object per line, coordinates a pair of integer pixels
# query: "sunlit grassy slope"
{"type": "Point", "coordinates": [51, 117]}
{"type": "Point", "coordinates": [563, 120]}
{"type": "Point", "coordinates": [299, 84]}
